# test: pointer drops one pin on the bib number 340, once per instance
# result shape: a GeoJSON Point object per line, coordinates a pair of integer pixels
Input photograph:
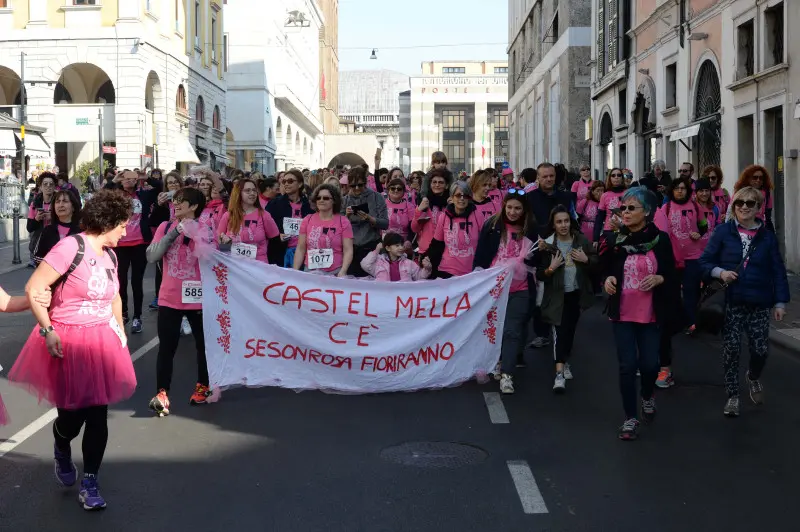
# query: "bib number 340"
{"type": "Point", "coordinates": [320, 259]}
{"type": "Point", "coordinates": [246, 251]}
{"type": "Point", "coordinates": [192, 292]}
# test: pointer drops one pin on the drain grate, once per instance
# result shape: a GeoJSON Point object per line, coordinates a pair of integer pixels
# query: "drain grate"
{"type": "Point", "coordinates": [434, 455]}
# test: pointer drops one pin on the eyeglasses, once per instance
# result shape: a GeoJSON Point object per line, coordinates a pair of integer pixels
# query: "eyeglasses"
{"type": "Point", "coordinates": [750, 204]}
{"type": "Point", "coordinates": [616, 175]}
{"type": "Point", "coordinates": [757, 176]}
{"type": "Point", "coordinates": [684, 171]}
{"type": "Point", "coordinates": [519, 191]}
{"type": "Point", "coordinates": [357, 185]}
{"type": "Point", "coordinates": [711, 176]}
{"type": "Point", "coordinates": [48, 184]}
{"type": "Point", "coordinates": [437, 183]}
{"type": "Point", "coordinates": [584, 169]}
{"type": "Point", "coordinates": [680, 188]}
{"type": "Point", "coordinates": [460, 196]}
{"type": "Point", "coordinates": [288, 181]}
{"type": "Point", "coordinates": [629, 208]}
{"type": "Point", "coordinates": [324, 198]}
{"type": "Point", "coordinates": [396, 189]}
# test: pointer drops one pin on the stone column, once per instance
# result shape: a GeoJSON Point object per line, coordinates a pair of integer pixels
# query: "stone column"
{"type": "Point", "coordinates": [481, 129]}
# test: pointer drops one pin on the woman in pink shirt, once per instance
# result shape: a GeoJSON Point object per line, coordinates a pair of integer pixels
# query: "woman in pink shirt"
{"type": "Point", "coordinates": [39, 215]}
{"type": "Point", "coordinates": [181, 293]}
{"type": "Point", "coordinates": [587, 208]}
{"type": "Point", "coordinates": [325, 244]}
{"type": "Point", "coordinates": [481, 183]}
{"type": "Point", "coordinates": [211, 186]}
{"type": "Point", "coordinates": [430, 206]}
{"type": "Point", "coordinates": [400, 210]}
{"type": "Point", "coordinates": [719, 195]}
{"type": "Point", "coordinates": [67, 211]}
{"type": "Point", "coordinates": [452, 250]}
{"type": "Point", "coordinates": [18, 304]}
{"type": "Point", "coordinates": [77, 358]}
{"type": "Point", "coordinates": [606, 222]}
{"type": "Point", "coordinates": [581, 187]}
{"type": "Point", "coordinates": [246, 229]}
{"type": "Point", "coordinates": [164, 212]}
{"type": "Point", "coordinates": [644, 300]}
{"type": "Point", "coordinates": [758, 177]}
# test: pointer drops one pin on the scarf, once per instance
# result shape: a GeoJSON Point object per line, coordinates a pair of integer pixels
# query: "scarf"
{"type": "Point", "coordinates": [620, 188]}
{"type": "Point", "coordinates": [637, 243]}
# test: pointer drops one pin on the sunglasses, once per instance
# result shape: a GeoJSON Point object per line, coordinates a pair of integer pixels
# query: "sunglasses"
{"type": "Point", "coordinates": [460, 196]}
{"type": "Point", "coordinates": [685, 171]}
{"type": "Point", "coordinates": [357, 185]}
{"type": "Point", "coordinates": [438, 183]}
{"type": "Point", "coordinates": [629, 208]}
{"type": "Point", "coordinates": [757, 176]}
{"type": "Point", "coordinates": [519, 191]}
{"type": "Point", "coordinates": [616, 175]}
{"type": "Point", "coordinates": [324, 198]}
{"type": "Point", "coordinates": [288, 181]}
{"type": "Point", "coordinates": [396, 189]}
{"type": "Point", "coordinates": [584, 169]}
{"type": "Point", "coordinates": [750, 204]}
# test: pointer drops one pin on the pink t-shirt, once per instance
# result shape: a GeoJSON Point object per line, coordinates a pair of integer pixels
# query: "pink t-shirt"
{"type": "Point", "coordinates": [721, 199]}
{"type": "Point", "coordinates": [485, 210]}
{"type": "Point", "coordinates": [496, 195]}
{"type": "Point", "coordinates": [179, 265]}
{"type": "Point", "coordinates": [264, 201]}
{"type": "Point", "coordinates": [63, 230]}
{"type": "Point", "coordinates": [711, 218]}
{"type": "Point", "coordinates": [257, 228]}
{"type": "Point", "coordinates": [400, 215]}
{"type": "Point", "coordinates": [297, 210]}
{"type": "Point", "coordinates": [85, 297]}
{"type": "Point", "coordinates": [767, 203]}
{"type": "Point", "coordinates": [211, 215]}
{"type": "Point", "coordinates": [747, 236]}
{"type": "Point", "coordinates": [608, 201]}
{"type": "Point", "coordinates": [133, 231]}
{"type": "Point", "coordinates": [512, 249]}
{"type": "Point", "coordinates": [636, 305]}
{"type": "Point", "coordinates": [588, 212]}
{"type": "Point", "coordinates": [326, 234]}
{"type": "Point", "coordinates": [460, 239]}
{"type": "Point", "coordinates": [47, 219]}
{"type": "Point", "coordinates": [580, 188]}
{"type": "Point", "coordinates": [424, 225]}
{"type": "Point", "coordinates": [679, 221]}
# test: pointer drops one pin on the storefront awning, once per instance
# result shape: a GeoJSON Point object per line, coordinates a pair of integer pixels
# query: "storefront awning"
{"type": "Point", "coordinates": [184, 152]}
{"type": "Point", "coordinates": [36, 147]}
{"type": "Point", "coordinates": [8, 143]}
{"type": "Point", "coordinates": [685, 133]}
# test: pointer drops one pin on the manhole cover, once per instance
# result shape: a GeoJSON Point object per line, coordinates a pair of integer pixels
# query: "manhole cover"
{"type": "Point", "coordinates": [431, 454]}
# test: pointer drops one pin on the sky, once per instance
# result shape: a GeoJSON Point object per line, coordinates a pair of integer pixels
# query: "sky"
{"type": "Point", "coordinates": [468, 24]}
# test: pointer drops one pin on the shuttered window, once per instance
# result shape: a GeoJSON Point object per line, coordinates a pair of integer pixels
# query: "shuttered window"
{"type": "Point", "coordinates": [601, 42]}
{"type": "Point", "coordinates": [613, 33]}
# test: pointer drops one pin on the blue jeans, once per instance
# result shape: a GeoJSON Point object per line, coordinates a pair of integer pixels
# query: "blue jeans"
{"type": "Point", "coordinates": [288, 259]}
{"type": "Point", "coordinates": [637, 348]}
{"type": "Point", "coordinates": [692, 278]}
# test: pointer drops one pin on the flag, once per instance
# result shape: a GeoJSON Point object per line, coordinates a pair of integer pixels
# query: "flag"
{"type": "Point", "coordinates": [483, 142]}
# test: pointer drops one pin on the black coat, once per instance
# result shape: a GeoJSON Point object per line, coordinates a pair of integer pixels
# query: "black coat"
{"type": "Point", "coordinates": [489, 244]}
{"type": "Point", "coordinates": [50, 237]}
{"type": "Point", "coordinates": [280, 208]}
{"type": "Point", "coordinates": [542, 204]}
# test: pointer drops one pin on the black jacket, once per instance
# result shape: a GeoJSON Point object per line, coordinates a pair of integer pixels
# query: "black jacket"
{"type": "Point", "coordinates": [32, 225]}
{"type": "Point", "coordinates": [50, 237]}
{"type": "Point", "coordinates": [666, 296]}
{"type": "Point", "coordinates": [280, 208]}
{"type": "Point", "coordinates": [542, 204]}
{"type": "Point", "coordinates": [489, 243]}
{"type": "Point", "coordinates": [149, 200]}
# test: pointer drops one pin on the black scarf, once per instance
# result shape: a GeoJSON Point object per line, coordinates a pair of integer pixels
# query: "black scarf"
{"type": "Point", "coordinates": [637, 243]}
{"type": "Point", "coordinates": [620, 188]}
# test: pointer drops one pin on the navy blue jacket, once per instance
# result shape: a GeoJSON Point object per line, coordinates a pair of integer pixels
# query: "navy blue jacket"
{"type": "Point", "coordinates": [763, 282]}
{"type": "Point", "coordinates": [542, 204]}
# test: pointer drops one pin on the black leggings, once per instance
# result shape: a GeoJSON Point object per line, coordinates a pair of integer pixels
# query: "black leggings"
{"type": "Point", "coordinates": [159, 268]}
{"type": "Point", "coordinates": [135, 259]}
{"type": "Point", "coordinates": [564, 334]}
{"type": "Point", "coordinates": [68, 425]}
{"type": "Point", "coordinates": [169, 334]}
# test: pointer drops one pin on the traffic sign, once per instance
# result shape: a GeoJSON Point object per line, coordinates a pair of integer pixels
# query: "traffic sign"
{"type": "Point", "coordinates": [506, 165]}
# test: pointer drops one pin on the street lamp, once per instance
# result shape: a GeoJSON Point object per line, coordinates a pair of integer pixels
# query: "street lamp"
{"type": "Point", "coordinates": [374, 54]}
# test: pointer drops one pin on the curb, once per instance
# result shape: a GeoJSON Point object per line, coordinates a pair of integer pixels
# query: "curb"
{"type": "Point", "coordinates": [13, 268]}
{"type": "Point", "coordinates": [785, 341]}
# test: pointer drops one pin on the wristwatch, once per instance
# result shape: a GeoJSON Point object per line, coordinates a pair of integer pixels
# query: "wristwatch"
{"type": "Point", "coordinates": [44, 331]}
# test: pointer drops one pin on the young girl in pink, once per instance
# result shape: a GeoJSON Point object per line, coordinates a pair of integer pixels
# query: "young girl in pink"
{"type": "Point", "coordinates": [246, 228]}
{"type": "Point", "coordinates": [389, 262]}
{"type": "Point", "coordinates": [588, 203]}
{"type": "Point", "coordinates": [427, 213]}
{"type": "Point", "coordinates": [456, 239]}
{"type": "Point", "coordinates": [399, 209]}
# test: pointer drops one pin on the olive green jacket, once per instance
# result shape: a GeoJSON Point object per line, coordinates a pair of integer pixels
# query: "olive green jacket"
{"type": "Point", "coordinates": [553, 300]}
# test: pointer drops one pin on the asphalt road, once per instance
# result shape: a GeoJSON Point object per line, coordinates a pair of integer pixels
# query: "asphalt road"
{"type": "Point", "coordinates": [275, 460]}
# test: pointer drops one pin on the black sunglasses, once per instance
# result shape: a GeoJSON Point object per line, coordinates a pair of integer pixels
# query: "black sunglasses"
{"type": "Point", "coordinates": [396, 189]}
{"type": "Point", "coordinates": [358, 185]}
{"type": "Point", "coordinates": [629, 208]}
{"type": "Point", "coordinates": [749, 203]}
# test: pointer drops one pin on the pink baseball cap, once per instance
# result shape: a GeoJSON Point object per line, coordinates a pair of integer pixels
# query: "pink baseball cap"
{"type": "Point", "coordinates": [508, 171]}
{"type": "Point", "coordinates": [343, 180]}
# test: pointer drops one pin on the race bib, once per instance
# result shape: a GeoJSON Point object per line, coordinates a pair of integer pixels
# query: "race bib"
{"type": "Point", "coordinates": [137, 206]}
{"type": "Point", "coordinates": [291, 226]}
{"type": "Point", "coordinates": [191, 292]}
{"type": "Point", "coordinates": [320, 258]}
{"type": "Point", "coordinates": [114, 324]}
{"type": "Point", "coordinates": [247, 251]}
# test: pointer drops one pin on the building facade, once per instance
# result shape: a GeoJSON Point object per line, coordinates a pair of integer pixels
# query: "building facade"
{"type": "Point", "coordinates": [370, 99]}
{"type": "Point", "coordinates": [549, 77]}
{"type": "Point", "coordinates": [154, 72]}
{"type": "Point", "coordinates": [274, 88]}
{"type": "Point", "coordinates": [708, 84]}
{"type": "Point", "coordinates": [460, 108]}
{"type": "Point", "coordinates": [329, 66]}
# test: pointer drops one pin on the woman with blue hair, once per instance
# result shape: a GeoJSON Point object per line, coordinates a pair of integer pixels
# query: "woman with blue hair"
{"type": "Point", "coordinates": [641, 280]}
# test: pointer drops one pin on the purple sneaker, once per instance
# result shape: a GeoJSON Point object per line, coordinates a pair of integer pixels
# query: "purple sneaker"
{"type": "Point", "coordinates": [66, 472]}
{"type": "Point", "coordinates": [89, 496]}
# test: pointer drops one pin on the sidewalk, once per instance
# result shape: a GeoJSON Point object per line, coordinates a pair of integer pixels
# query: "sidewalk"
{"type": "Point", "coordinates": [7, 255]}
{"type": "Point", "coordinates": [787, 332]}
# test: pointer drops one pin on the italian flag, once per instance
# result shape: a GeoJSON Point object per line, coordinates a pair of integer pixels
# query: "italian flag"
{"type": "Point", "coordinates": [483, 142]}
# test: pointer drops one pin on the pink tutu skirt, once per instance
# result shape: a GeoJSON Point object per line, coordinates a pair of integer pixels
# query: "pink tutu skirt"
{"type": "Point", "coordinates": [3, 413]}
{"type": "Point", "coordinates": [95, 370]}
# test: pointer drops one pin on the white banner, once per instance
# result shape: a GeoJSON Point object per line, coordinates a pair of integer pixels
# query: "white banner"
{"type": "Point", "coordinates": [269, 326]}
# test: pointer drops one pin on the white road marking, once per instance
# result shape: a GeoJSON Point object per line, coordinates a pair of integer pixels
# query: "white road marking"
{"type": "Point", "coordinates": [497, 412]}
{"type": "Point", "coordinates": [527, 489]}
{"type": "Point", "coordinates": [45, 419]}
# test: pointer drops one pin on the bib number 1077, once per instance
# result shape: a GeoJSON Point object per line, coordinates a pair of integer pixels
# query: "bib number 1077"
{"type": "Point", "coordinates": [320, 259]}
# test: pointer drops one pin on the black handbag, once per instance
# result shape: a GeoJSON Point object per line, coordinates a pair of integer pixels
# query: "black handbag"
{"type": "Point", "coordinates": [711, 307]}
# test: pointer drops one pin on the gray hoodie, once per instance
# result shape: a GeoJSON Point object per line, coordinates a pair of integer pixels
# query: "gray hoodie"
{"type": "Point", "coordinates": [363, 232]}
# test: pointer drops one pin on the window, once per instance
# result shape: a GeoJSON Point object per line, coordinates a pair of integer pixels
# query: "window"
{"type": "Point", "coordinates": [225, 51]}
{"type": "Point", "coordinates": [453, 70]}
{"type": "Point", "coordinates": [3, 4]}
{"type": "Point", "coordinates": [554, 123]}
{"type": "Point", "coordinates": [82, 2]}
{"type": "Point", "coordinates": [745, 50]}
{"type": "Point", "coordinates": [197, 25]}
{"type": "Point", "coordinates": [671, 75]}
{"type": "Point", "coordinates": [501, 70]}
{"type": "Point", "coordinates": [216, 121]}
{"type": "Point", "coordinates": [200, 110]}
{"type": "Point", "coordinates": [454, 137]}
{"type": "Point", "coordinates": [180, 101]}
{"type": "Point", "coordinates": [500, 122]}
{"type": "Point", "coordinates": [554, 28]}
{"type": "Point", "coordinates": [623, 106]}
{"type": "Point", "coordinates": [773, 52]}
{"type": "Point", "coordinates": [601, 38]}
{"type": "Point", "coordinates": [746, 141]}
{"type": "Point", "coordinates": [214, 38]}
{"type": "Point", "coordinates": [177, 15]}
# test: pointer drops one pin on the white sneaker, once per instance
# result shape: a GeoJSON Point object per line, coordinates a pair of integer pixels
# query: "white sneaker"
{"type": "Point", "coordinates": [567, 372]}
{"type": "Point", "coordinates": [539, 341]}
{"type": "Point", "coordinates": [186, 329]}
{"type": "Point", "coordinates": [506, 384]}
{"type": "Point", "coordinates": [560, 384]}
{"type": "Point", "coordinates": [497, 374]}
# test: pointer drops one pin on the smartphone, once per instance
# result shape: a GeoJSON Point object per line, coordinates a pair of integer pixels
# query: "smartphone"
{"type": "Point", "coordinates": [170, 194]}
{"type": "Point", "coordinates": [616, 212]}
{"type": "Point", "coordinates": [378, 153]}
{"type": "Point", "coordinates": [360, 208]}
